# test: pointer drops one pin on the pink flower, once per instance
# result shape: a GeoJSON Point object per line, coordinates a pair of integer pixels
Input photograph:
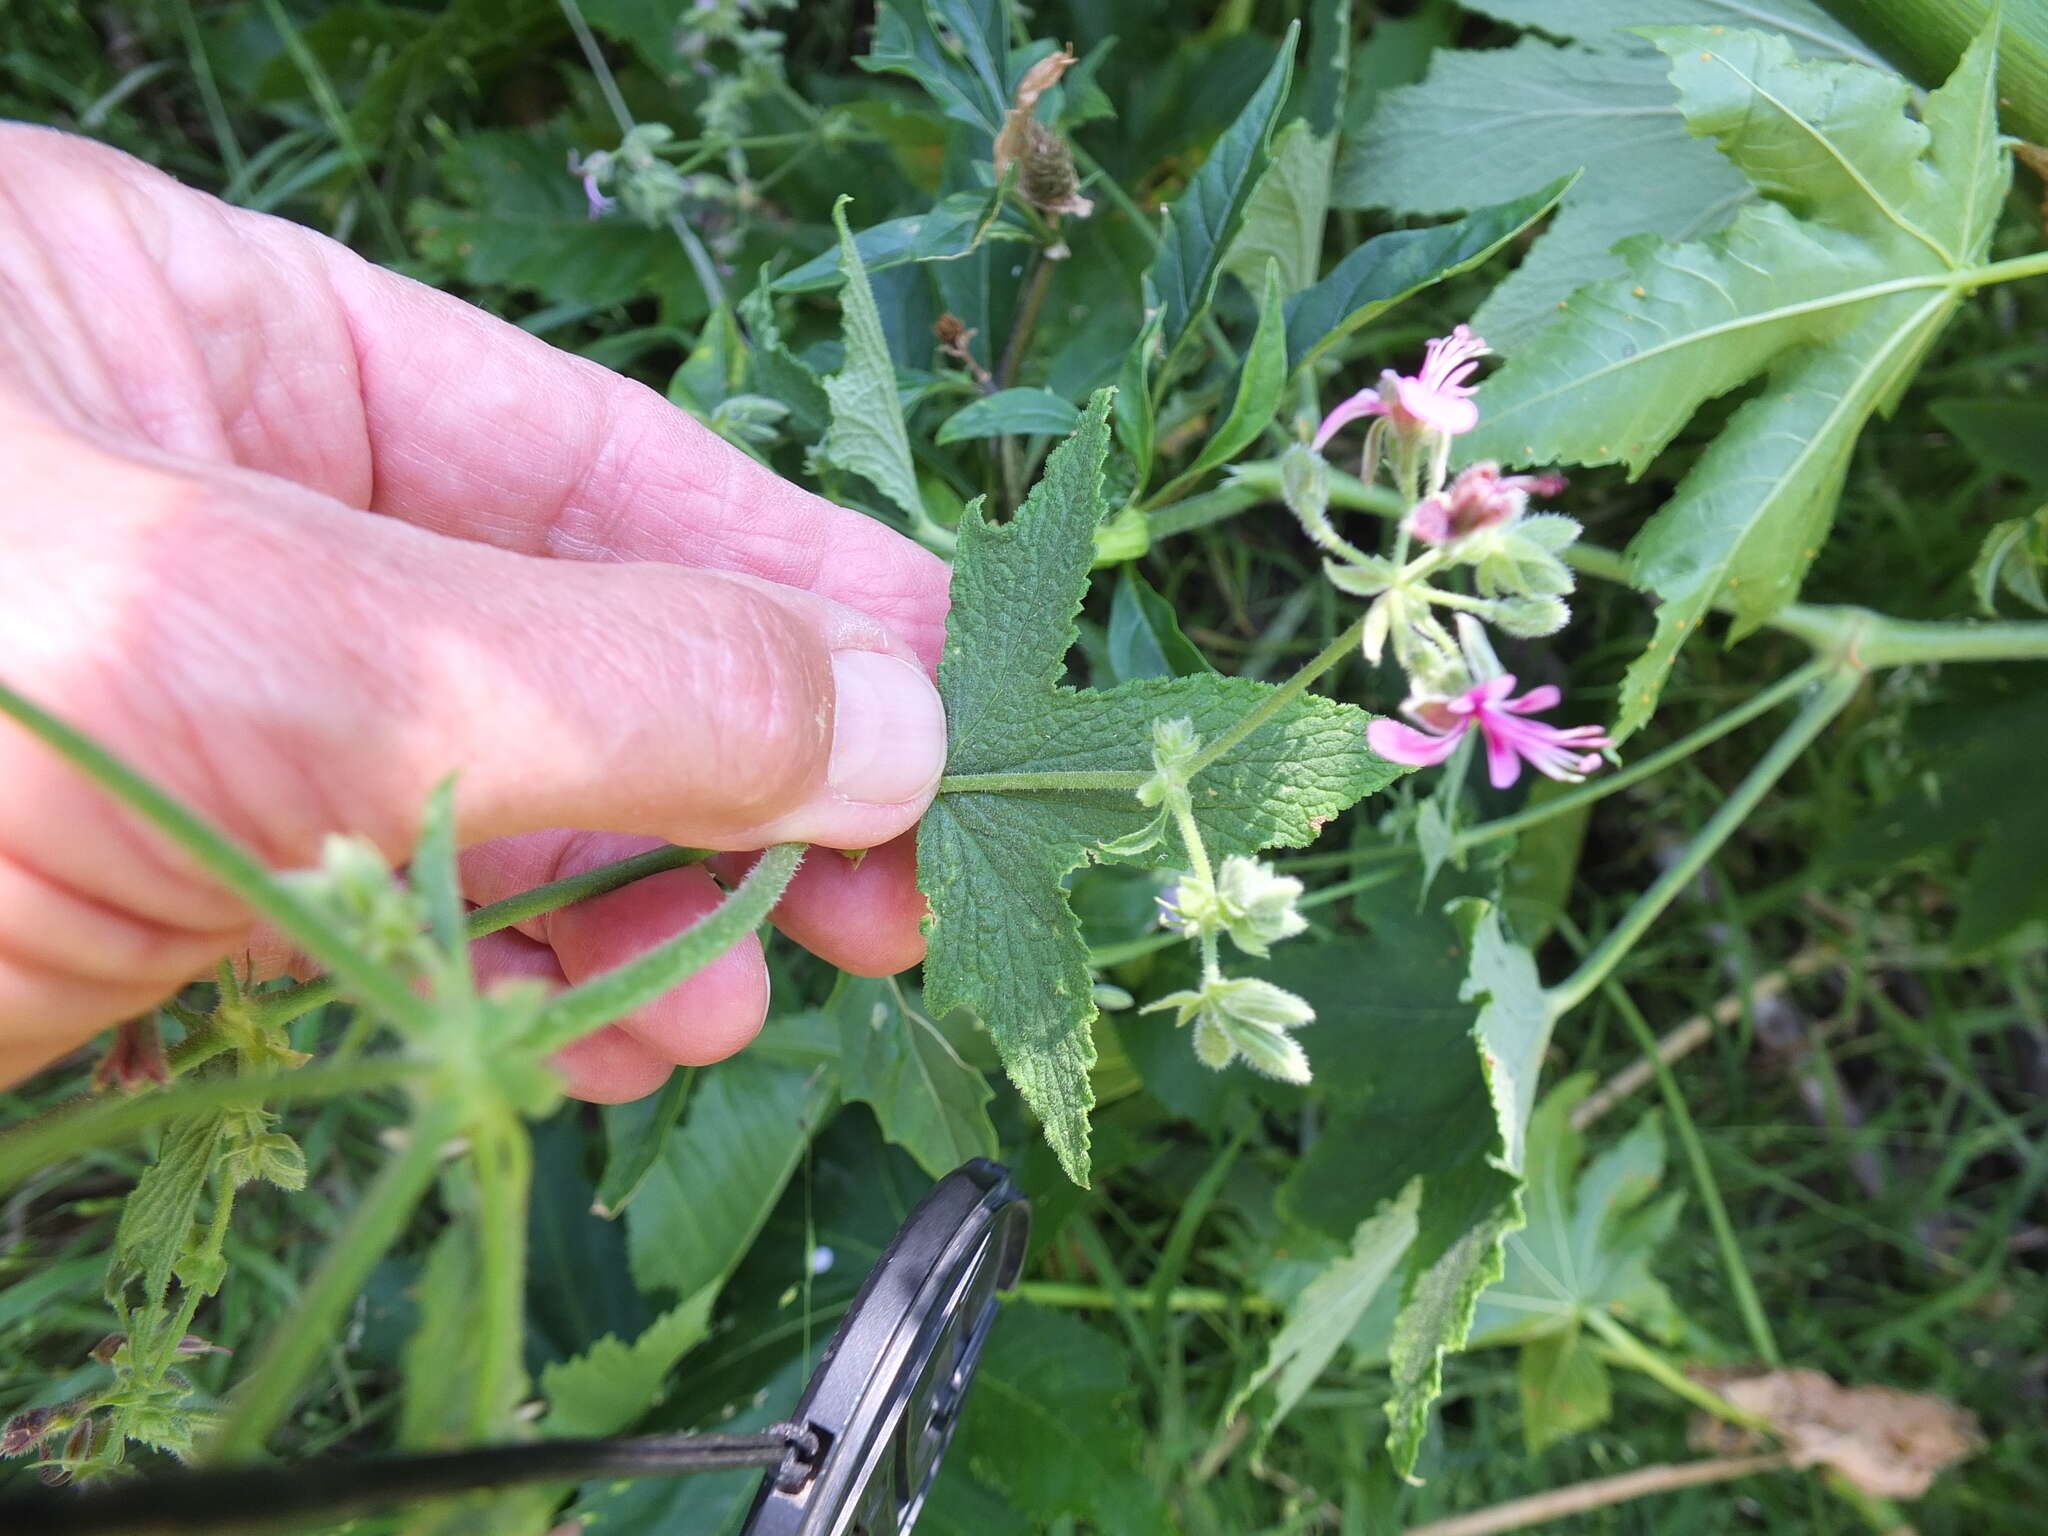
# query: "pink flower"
{"type": "Point", "coordinates": [1510, 739]}
{"type": "Point", "coordinates": [1437, 398]}
{"type": "Point", "coordinates": [588, 171]}
{"type": "Point", "coordinates": [1481, 497]}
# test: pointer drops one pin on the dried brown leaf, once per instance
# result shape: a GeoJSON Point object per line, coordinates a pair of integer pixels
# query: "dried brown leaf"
{"type": "Point", "coordinates": [1888, 1443]}
{"type": "Point", "coordinates": [1041, 77]}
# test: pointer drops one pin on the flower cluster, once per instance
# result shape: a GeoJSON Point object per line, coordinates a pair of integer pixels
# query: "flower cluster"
{"type": "Point", "coordinates": [1469, 547]}
{"type": "Point", "coordinates": [1233, 1016]}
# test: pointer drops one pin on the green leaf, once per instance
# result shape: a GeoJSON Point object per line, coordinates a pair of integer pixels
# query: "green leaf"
{"type": "Point", "coordinates": [1590, 1231]}
{"type": "Point", "coordinates": [515, 218]}
{"type": "Point", "coordinates": [1136, 427]}
{"type": "Point", "coordinates": [608, 1387]}
{"type": "Point", "coordinates": [157, 1216]}
{"type": "Point", "coordinates": [1145, 639]}
{"type": "Point", "coordinates": [1260, 381]}
{"type": "Point", "coordinates": [721, 1170]}
{"type": "Point", "coordinates": [1023, 411]}
{"type": "Point", "coordinates": [443, 1354]}
{"type": "Point", "coordinates": [925, 1098]}
{"type": "Point", "coordinates": [1203, 222]}
{"type": "Point", "coordinates": [1806, 24]}
{"type": "Point", "coordinates": [2013, 556]}
{"type": "Point", "coordinates": [1564, 1389]}
{"type": "Point", "coordinates": [964, 67]}
{"type": "Point", "coordinates": [634, 1135]}
{"type": "Point", "coordinates": [1832, 287]}
{"type": "Point", "coordinates": [1331, 1305]}
{"type": "Point", "coordinates": [778, 373]}
{"type": "Point", "coordinates": [2007, 436]}
{"type": "Point", "coordinates": [866, 436]}
{"type": "Point", "coordinates": [1025, 800]}
{"type": "Point", "coordinates": [1391, 267]}
{"type": "Point", "coordinates": [1049, 1425]}
{"type": "Point", "coordinates": [1514, 1022]}
{"type": "Point", "coordinates": [1283, 221]}
{"type": "Point", "coordinates": [958, 223]}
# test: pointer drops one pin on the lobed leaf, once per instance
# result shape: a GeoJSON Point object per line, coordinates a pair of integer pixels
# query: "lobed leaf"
{"type": "Point", "coordinates": [992, 854]}
{"type": "Point", "coordinates": [1832, 288]}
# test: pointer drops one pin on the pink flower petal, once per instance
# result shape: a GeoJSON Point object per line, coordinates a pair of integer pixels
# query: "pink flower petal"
{"type": "Point", "coordinates": [1503, 758]}
{"type": "Point", "coordinates": [1365, 403]}
{"type": "Point", "coordinates": [1399, 743]}
{"type": "Point", "coordinates": [1534, 701]}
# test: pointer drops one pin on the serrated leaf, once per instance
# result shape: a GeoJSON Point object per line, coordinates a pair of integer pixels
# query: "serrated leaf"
{"type": "Point", "coordinates": [925, 1098]}
{"type": "Point", "coordinates": [780, 374]}
{"type": "Point", "coordinates": [1809, 27]}
{"type": "Point", "coordinates": [1391, 267]}
{"type": "Point", "coordinates": [866, 436]}
{"type": "Point", "coordinates": [722, 1169]}
{"type": "Point", "coordinates": [954, 226]}
{"type": "Point", "coordinates": [1204, 220]}
{"type": "Point", "coordinates": [1589, 1232]}
{"type": "Point", "coordinates": [1037, 411]}
{"type": "Point", "coordinates": [1323, 1316]}
{"type": "Point", "coordinates": [1049, 1426]}
{"type": "Point", "coordinates": [610, 1385]}
{"type": "Point", "coordinates": [156, 1218]}
{"type": "Point", "coordinates": [956, 49]}
{"type": "Point", "coordinates": [1513, 1026]}
{"type": "Point", "coordinates": [1283, 221]}
{"type": "Point", "coordinates": [1832, 287]}
{"type": "Point", "coordinates": [992, 854]}
{"type": "Point", "coordinates": [1484, 126]}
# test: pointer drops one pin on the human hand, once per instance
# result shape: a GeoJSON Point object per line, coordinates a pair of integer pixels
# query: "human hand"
{"type": "Point", "coordinates": [296, 537]}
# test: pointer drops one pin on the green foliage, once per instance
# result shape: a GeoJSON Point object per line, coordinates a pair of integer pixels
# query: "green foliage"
{"type": "Point", "coordinates": [609, 1386]}
{"type": "Point", "coordinates": [898, 1062]}
{"type": "Point", "coordinates": [1833, 286]}
{"type": "Point", "coordinates": [1024, 802]}
{"type": "Point", "coordinates": [866, 436]}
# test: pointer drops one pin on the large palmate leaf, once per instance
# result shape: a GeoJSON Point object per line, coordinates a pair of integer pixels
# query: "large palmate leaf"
{"type": "Point", "coordinates": [1832, 287]}
{"type": "Point", "coordinates": [1011, 820]}
{"type": "Point", "coordinates": [1487, 125]}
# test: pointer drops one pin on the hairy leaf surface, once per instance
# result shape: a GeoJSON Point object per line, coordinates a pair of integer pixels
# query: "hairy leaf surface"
{"type": "Point", "coordinates": [992, 854]}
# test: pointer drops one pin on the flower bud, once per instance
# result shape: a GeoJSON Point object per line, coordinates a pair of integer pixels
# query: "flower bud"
{"type": "Point", "coordinates": [1531, 618]}
{"type": "Point", "coordinates": [1246, 1017]}
{"type": "Point", "coordinates": [1045, 174]}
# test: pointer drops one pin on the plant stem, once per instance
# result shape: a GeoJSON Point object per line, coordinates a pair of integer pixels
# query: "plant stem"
{"type": "Point", "coordinates": [572, 1014]}
{"type": "Point", "coordinates": [37, 1143]}
{"type": "Point", "coordinates": [1740, 1282]}
{"type": "Point", "coordinates": [296, 1341]}
{"type": "Point", "coordinates": [281, 1007]}
{"type": "Point", "coordinates": [1631, 1351]}
{"type": "Point", "coordinates": [1076, 1296]}
{"type": "Point", "coordinates": [1826, 703]}
{"type": "Point", "coordinates": [1600, 1493]}
{"type": "Point", "coordinates": [1285, 694]}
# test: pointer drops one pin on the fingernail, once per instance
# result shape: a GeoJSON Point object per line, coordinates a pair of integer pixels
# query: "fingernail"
{"type": "Point", "coordinates": [888, 729]}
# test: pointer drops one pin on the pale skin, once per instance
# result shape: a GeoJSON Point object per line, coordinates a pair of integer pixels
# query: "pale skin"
{"type": "Point", "coordinates": [297, 537]}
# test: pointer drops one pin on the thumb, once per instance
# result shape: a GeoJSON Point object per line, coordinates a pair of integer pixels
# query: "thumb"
{"type": "Point", "coordinates": [291, 668]}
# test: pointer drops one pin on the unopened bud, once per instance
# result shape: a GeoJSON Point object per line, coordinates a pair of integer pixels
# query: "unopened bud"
{"type": "Point", "coordinates": [1045, 174]}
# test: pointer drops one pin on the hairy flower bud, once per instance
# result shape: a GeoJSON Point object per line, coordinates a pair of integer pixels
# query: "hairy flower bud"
{"type": "Point", "coordinates": [1045, 174]}
{"type": "Point", "coordinates": [1246, 1017]}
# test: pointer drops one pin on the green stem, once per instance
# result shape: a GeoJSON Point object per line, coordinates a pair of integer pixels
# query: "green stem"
{"type": "Point", "coordinates": [1039, 783]}
{"type": "Point", "coordinates": [572, 1014]}
{"type": "Point", "coordinates": [1840, 684]}
{"type": "Point", "coordinates": [227, 862]}
{"type": "Point", "coordinates": [38, 1143]}
{"type": "Point", "coordinates": [1075, 1296]}
{"type": "Point", "coordinates": [1740, 1282]}
{"type": "Point", "coordinates": [281, 1007]}
{"type": "Point", "coordinates": [1280, 697]}
{"type": "Point", "coordinates": [297, 1340]}
{"type": "Point", "coordinates": [503, 1160]}
{"type": "Point", "coordinates": [1633, 1352]}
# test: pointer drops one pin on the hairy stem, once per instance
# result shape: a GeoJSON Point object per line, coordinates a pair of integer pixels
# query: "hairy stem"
{"type": "Point", "coordinates": [1280, 697]}
{"type": "Point", "coordinates": [296, 1341]}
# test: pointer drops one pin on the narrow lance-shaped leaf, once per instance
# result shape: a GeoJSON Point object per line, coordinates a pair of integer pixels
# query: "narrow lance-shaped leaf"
{"type": "Point", "coordinates": [1260, 381]}
{"type": "Point", "coordinates": [1391, 267]}
{"type": "Point", "coordinates": [1011, 410]}
{"type": "Point", "coordinates": [866, 436]}
{"type": "Point", "coordinates": [1006, 829]}
{"type": "Point", "coordinates": [1204, 220]}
